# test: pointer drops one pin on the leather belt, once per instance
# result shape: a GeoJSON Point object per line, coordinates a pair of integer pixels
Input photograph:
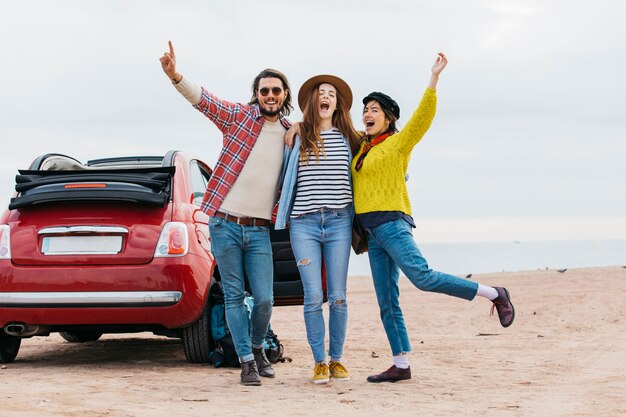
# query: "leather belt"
{"type": "Point", "coordinates": [242, 221]}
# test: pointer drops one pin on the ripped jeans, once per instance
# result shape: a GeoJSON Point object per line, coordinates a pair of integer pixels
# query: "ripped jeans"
{"type": "Point", "coordinates": [324, 235]}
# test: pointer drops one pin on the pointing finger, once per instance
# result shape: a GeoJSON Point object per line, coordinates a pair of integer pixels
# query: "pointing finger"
{"type": "Point", "coordinates": [172, 49]}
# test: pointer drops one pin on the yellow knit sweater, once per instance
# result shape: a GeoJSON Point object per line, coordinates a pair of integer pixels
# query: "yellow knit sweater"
{"type": "Point", "coordinates": [380, 184]}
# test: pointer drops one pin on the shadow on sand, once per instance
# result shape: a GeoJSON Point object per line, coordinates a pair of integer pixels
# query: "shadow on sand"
{"type": "Point", "coordinates": [111, 350]}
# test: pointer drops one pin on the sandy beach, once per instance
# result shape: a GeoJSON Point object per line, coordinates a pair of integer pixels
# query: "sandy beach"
{"type": "Point", "coordinates": [565, 355]}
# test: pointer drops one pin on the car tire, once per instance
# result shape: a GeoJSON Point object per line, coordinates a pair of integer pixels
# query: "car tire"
{"type": "Point", "coordinates": [197, 341]}
{"type": "Point", "coordinates": [9, 346]}
{"type": "Point", "coordinates": [80, 337]}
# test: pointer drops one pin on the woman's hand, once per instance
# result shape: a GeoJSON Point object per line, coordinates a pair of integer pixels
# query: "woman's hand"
{"type": "Point", "coordinates": [291, 133]}
{"type": "Point", "coordinates": [168, 63]}
{"type": "Point", "coordinates": [438, 66]}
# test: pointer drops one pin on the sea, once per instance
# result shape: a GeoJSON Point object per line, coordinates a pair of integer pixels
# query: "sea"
{"type": "Point", "coordinates": [463, 259]}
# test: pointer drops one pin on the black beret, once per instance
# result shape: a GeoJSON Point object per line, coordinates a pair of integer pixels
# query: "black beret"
{"type": "Point", "coordinates": [385, 101]}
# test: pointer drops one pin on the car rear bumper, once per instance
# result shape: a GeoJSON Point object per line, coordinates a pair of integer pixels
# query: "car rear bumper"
{"type": "Point", "coordinates": [90, 299]}
{"type": "Point", "coordinates": [169, 293]}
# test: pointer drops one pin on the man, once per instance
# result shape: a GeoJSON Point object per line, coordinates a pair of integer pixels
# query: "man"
{"type": "Point", "coordinates": [239, 199]}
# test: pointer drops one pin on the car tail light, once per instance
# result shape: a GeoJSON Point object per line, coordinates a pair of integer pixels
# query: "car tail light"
{"type": "Point", "coordinates": [5, 242]}
{"type": "Point", "coordinates": [174, 240]}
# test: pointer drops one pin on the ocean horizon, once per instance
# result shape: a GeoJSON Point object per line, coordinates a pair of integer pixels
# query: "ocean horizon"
{"type": "Point", "coordinates": [485, 257]}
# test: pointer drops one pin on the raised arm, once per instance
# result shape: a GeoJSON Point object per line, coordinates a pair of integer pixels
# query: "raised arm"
{"type": "Point", "coordinates": [420, 121]}
{"type": "Point", "coordinates": [220, 112]}
{"type": "Point", "coordinates": [438, 66]}
{"type": "Point", "coordinates": [168, 63]}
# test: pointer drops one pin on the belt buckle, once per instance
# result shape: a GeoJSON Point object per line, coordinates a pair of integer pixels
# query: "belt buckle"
{"type": "Point", "coordinates": [239, 219]}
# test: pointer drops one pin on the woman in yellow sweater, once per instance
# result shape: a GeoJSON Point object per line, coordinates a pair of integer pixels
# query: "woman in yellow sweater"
{"type": "Point", "coordinates": [382, 205]}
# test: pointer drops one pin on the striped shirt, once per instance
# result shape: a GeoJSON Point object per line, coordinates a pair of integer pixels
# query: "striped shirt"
{"type": "Point", "coordinates": [324, 182]}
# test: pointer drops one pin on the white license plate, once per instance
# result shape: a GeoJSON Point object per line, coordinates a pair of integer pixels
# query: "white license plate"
{"type": "Point", "coordinates": [81, 245]}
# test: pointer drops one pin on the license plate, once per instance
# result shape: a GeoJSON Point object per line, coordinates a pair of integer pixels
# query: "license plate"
{"type": "Point", "coordinates": [81, 245]}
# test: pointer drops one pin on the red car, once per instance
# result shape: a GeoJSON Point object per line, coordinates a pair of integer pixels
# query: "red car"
{"type": "Point", "coordinates": [113, 246]}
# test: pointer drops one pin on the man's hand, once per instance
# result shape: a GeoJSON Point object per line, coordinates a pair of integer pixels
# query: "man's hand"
{"type": "Point", "coordinates": [168, 63]}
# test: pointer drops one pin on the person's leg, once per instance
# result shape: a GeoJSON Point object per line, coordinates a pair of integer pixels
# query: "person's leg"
{"type": "Point", "coordinates": [396, 238]}
{"type": "Point", "coordinates": [227, 247]}
{"type": "Point", "coordinates": [259, 268]}
{"type": "Point", "coordinates": [336, 238]}
{"type": "Point", "coordinates": [305, 233]}
{"type": "Point", "coordinates": [385, 274]}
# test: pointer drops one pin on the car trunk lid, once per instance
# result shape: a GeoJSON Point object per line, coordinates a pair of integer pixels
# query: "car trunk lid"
{"type": "Point", "coordinates": [86, 233]}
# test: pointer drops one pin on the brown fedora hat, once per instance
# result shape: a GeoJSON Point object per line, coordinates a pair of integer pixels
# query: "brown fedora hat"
{"type": "Point", "coordinates": [342, 88]}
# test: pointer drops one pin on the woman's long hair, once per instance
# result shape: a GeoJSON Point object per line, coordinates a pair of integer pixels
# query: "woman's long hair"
{"type": "Point", "coordinates": [392, 129]}
{"type": "Point", "coordinates": [311, 141]}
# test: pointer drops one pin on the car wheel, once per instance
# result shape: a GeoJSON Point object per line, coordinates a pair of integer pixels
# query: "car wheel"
{"type": "Point", "coordinates": [80, 337]}
{"type": "Point", "coordinates": [9, 346]}
{"type": "Point", "coordinates": [197, 340]}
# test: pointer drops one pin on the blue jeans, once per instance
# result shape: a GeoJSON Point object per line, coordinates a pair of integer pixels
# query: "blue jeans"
{"type": "Point", "coordinates": [391, 247]}
{"type": "Point", "coordinates": [242, 251]}
{"type": "Point", "coordinates": [324, 238]}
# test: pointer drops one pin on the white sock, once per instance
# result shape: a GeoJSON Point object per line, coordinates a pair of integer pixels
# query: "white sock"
{"type": "Point", "coordinates": [401, 361]}
{"type": "Point", "coordinates": [487, 292]}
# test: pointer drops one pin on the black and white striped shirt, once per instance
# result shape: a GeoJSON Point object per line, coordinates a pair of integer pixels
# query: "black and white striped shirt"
{"type": "Point", "coordinates": [324, 182]}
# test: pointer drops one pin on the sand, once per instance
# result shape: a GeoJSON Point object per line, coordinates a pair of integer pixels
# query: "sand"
{"type": "Point", "coordinates": [565, 355]}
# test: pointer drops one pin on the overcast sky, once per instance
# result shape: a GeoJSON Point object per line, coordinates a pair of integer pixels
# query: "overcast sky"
{"type": "Point", "coordinates": [529, 138]}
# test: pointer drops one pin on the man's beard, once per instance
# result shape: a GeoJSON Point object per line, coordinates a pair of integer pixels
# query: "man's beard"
{"type": "Point", "coordinates": [270, 113]}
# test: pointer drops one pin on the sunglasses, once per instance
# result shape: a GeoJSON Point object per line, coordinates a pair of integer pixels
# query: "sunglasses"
{"type": "Point", "coordinates": [275, 91]}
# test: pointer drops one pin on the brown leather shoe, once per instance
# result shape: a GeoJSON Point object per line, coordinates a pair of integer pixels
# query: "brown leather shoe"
{"type": "Point", "coordinates": [250, 373]}
{"type": "Point", "coordinates": [503, 305]}
{"type": "Point", "coordinates": [262, 363]}
{"type": "Point", "coordinates": [392, 374]}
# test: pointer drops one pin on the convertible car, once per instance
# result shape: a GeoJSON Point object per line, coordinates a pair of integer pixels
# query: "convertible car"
{"type": "Point", "coordinates": [115, 245]}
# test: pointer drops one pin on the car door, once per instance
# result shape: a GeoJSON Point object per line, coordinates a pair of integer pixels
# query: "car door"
{"type": "Point", "coordinates": [288, 288]}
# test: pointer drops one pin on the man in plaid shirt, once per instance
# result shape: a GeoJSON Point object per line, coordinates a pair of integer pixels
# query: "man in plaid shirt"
{"type": "Point", "coordinates": [239, 198]}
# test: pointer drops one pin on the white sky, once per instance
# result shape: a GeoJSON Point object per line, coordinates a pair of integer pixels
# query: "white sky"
{"type": "Point", "coordinates": [529, 138]}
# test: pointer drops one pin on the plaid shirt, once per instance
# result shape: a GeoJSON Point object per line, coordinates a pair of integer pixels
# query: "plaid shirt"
{"type": "Point", "coordinates": [241, 125]}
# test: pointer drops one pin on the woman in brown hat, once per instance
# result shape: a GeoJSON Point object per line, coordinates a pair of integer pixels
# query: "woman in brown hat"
{"type": "Point", "coordinates": [382, 205]}
{"type": "Point", "coordinates": [316, 201]}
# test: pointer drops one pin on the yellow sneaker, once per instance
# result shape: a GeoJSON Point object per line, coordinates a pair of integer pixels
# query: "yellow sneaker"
{"type": "Point", "coordinates": [338, 371]}
{"type": "Point", "coordinates": [320, 373]}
